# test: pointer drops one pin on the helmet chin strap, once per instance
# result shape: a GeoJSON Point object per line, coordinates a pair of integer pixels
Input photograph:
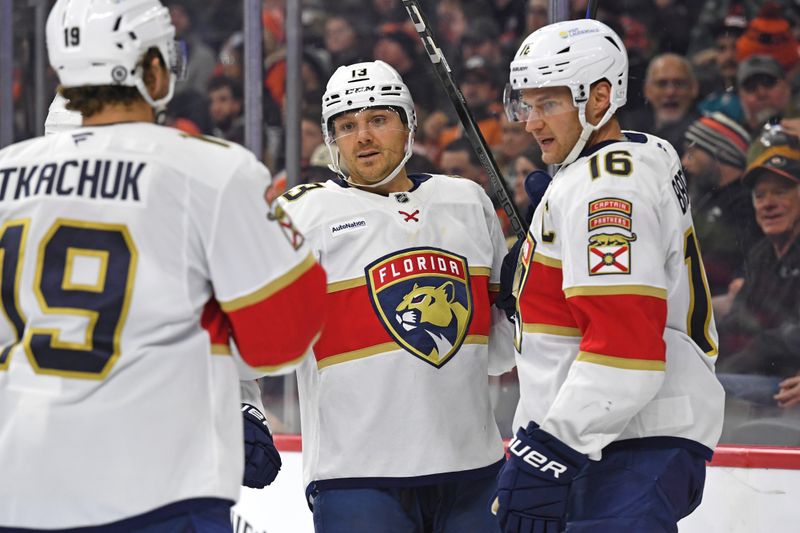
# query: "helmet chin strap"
{"type": "Point", "coordinates": [586, 132]}
{"type": "Point", "coordinates": [334, 166]}
{"type": "Point", "coordinates": [159, 106]}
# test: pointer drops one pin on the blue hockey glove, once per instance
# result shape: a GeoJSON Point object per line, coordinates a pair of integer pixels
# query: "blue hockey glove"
{"type": "Point", "coordinates": [261, 459]}
{"type": "Point", "coordinates": [536, 184]}
{"type": "Point", "coordinates": [533, 485]}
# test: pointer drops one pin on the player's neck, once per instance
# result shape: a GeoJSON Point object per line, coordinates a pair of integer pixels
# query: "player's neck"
{"type": "Point", "coordinates": [610, 131]}
{"type": "Point", "coordinates": [400, 183]}
{"type": "Point", "coordinates": [138, 111]}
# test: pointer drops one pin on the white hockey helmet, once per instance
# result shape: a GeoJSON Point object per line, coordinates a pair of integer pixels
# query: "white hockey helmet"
{"type": "Point", "coordinates": [102, 42]}
{"type": "Point", "coordinates": [363, 85]}
{"type": "Point", "coordinates": [573, 54]}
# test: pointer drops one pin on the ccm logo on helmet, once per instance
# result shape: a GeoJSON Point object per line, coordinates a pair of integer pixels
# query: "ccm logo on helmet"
{"type": "Point", "coordinates": [364, 89]}
{"type": "Point", "coordinates": [536, 459]}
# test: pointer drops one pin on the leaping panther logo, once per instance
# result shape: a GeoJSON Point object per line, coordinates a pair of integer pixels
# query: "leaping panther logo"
{"type": "Point", "coordinates": [423, 298]}
{"type": "Point", "coordinates": [434, 310]}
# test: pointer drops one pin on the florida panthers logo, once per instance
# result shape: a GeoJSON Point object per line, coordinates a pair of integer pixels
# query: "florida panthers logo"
{"type": "Point", "coordinates": [424, 300]}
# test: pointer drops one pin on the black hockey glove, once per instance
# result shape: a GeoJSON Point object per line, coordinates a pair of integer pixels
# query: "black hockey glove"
{"type": "Point", "coordinates": [536, 184]}
{"type": "Point", "coordinates": [533, 485]}
{"type": "Point", "coordinates": [261, 459]}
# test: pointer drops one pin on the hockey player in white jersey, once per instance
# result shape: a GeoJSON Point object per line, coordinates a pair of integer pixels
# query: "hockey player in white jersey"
{"type": "Point", "coordinates": [131, 256]}
{"type": "Point", "coordinates": [398, 429]}
{"type": "Point", "coordinates": [619, 407]}
{"type": "Point", "coordinates": [262, 461]}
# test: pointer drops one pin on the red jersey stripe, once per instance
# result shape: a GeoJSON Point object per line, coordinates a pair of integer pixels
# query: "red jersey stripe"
{"type": "Point", "coordinates": [629, 326]}
{"type": "Point", "coordinates": [270, 288]}
{"type": "Point", "coordinates": [350, 309]}
{"type": "Point", "coordinates": [277, 330]}
{"type": "Point", "coordinates": [543, 301]}
{"type": "Point", "coordinates": [216, 324]}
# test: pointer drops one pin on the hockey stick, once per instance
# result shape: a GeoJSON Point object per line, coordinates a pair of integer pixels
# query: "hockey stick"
{"type": "Point", "coordinates": [471, 130]}
{"type": "Point", "coordinates": [591, 9]}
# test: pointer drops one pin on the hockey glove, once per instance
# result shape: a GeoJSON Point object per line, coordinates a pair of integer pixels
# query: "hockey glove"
{"type": "Point", "coordinates": [536, 184]}
{"type": "Point", "coordinates": [261, 459]}
{"type": "Point", "coordinates": [533, 485]}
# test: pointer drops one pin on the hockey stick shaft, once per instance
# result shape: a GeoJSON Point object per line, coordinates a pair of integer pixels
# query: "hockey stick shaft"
{"type": "Point", "coordinates": [471, 129]}
{"type": "Point", "coordinates": [591, 9]}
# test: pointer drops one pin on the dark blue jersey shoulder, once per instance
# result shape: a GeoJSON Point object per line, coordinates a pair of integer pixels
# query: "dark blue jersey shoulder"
{"type": "Point", "coordinates": [630, 137]}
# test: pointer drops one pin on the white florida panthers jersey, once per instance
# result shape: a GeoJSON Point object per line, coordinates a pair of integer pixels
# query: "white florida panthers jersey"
{"type": "Point", "coordinates": [130, 255]}
{"type": "Point", "coordinates": [398, 386]}
{"type": "Point", "coordinates": [617, 336]}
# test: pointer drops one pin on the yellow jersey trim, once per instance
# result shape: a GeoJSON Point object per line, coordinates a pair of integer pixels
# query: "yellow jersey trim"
{"type": "Point", "coordinates": [617, 290]}
{"type": "Point", "coordinates": [220, 349]}
{"type": "Point", "coordinates": [383, 348]}
{"type": "Point", "coordinates": [621, 362]}
{"type": "Point", "coordinates": [561, 331]}
{"type": "Point", "coordinates": [346, 284]}
{"type": "Point", "coordinates": [546, 261]}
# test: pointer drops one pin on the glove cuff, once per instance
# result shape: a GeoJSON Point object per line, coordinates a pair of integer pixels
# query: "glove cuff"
{"type": "Point", "coordinates": [252, 413]}
{"type": "Point", "coordinates": [546, 457]}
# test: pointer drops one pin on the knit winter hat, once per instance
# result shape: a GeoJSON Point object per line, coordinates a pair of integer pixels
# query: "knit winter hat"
{"type": "Point", "coordinates": [720, 136]}
{"type": "Point", "coordinates": [769, 34]}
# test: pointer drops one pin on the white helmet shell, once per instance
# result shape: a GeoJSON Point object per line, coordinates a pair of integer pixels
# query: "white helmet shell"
{"type": "Point", "coordinates": [575, 54]}
{"type": "Point", "coordinates": [102, 42]}
{"type": "Point", "coordinates": [361, 85]}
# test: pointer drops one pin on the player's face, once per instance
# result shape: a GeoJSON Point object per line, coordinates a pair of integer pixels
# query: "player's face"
{"type": "Point", "coordinates": [372, 142]}
{"type": "Point", "coordinates": [777, 205]}
{"type": "Point", "coordinates": [553, 121]}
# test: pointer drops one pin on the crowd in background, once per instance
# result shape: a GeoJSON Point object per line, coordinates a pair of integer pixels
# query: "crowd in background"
{"type": "Point", "coordinates": [707, 76]}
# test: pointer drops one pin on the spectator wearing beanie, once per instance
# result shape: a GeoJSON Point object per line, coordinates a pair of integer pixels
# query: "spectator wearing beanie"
{"type": "Point", "coordinates": [770, 34]}
{"type": "Point", "coordinates": [714, 159]}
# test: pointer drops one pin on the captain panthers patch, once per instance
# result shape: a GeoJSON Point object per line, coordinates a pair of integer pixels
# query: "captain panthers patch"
{"type": "Point", "coordinates": [423, 298]}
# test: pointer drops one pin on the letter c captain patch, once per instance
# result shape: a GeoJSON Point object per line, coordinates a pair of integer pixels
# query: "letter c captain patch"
{"type": "Point", "coordinates": [423, 298]}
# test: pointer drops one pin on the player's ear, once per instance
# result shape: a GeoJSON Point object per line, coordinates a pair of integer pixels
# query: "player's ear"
{"type": "Point", "coordinates": [599, 100]}
{"type": "Point", "coordinates": [156, 77]}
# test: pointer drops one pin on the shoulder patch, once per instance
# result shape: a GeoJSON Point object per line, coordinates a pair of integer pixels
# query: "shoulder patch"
{"type": "Point", "coordinates": [610, 253]}
{"type": "Point", "coordinates": [616, 205]}
{"type": "Point", "coordinates": [278, 214]}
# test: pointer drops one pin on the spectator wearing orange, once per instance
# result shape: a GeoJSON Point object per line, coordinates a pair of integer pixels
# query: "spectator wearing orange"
{"type": "Point", "coordinates": [770, 34]}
